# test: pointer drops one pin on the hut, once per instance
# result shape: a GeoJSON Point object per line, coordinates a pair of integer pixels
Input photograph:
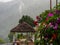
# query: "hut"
{"type": "Point", "coordinates": [23, 28]}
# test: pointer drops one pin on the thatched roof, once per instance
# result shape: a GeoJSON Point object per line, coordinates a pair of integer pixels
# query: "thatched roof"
{"type": "Point", "coordinates": [23, 27]}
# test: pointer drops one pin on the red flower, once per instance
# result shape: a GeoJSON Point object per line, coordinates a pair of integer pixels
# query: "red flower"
{"type": "Point", "coordinates": [37, 17]}
{"type": "Point", "coordinates": [54, 36]}
{"type": "Point", "coordinates": [46, 19]}
{"type": "Point", "coordinates": [36, 22]}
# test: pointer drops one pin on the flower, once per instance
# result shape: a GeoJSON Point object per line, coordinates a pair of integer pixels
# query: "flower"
{"type": "Point", "coordinates": [54, 36]}
{"type": "Point", "coordinates": [57, 11]}
{"type": "Point", "coordinates": [53, 25]}
{"type": "Point", "coordinates": [50, 24]}
{"type": "Point", "coordinates": [36, 22]}
{"type": "Point", "coordinates": [47, 19]}
{"type": "Point", "coordinates": [50, 14]}
{"type": "Point", "coordinates": [55, 28]}
{"type": "Point", "coordinates": [37, 17]}
{"type": "Point", "coordinates": [58, 20]}
{"type": "Point", "coordinates": [46, 37]}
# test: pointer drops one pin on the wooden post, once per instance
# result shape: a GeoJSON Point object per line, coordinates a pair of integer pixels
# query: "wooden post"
{"type": "Point", "coordinates": [14, 37]}
{"type": "Point", "coordinates": [50, 4]}
{"type": "Point", "coordinates": [56, 3]}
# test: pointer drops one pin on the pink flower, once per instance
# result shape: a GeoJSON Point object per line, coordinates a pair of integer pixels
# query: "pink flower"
{"type": "Point", "coordinates": [55, 27]}
{"type": "Point", "coordinates": [50, 25]}
{"type": "Point", "coordinates": [50, 14]}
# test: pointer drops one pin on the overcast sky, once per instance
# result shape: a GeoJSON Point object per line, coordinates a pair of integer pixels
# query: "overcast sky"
{"type": "Point", "coordinates": [12, 10]}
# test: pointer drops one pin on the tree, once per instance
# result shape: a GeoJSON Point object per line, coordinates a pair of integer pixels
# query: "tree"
{"type": "Point", "coordinates": [10, 36]}
{"type": "Point", "coordinates": [27, 19]}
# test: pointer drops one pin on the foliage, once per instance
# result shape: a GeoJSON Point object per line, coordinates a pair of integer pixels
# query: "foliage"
{"type": "Point", "coordinates": [50, 27]}
{"type": "Point", "coordinates": [20, 36]}
{"type": "Point", "coordinates": [10, 36]}
{"type": "Point", "coordinates": [1, 41]}
{"type": "Point", "coordinates": [37, 39]}
{"type": "Point", "coordinates": [27, 19]}
{"type": "Point", "coordinates": [37, 42]}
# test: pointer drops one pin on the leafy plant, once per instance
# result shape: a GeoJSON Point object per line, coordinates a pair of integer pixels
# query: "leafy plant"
{"type": "Point", "coordinates": [10, 36]}
{"type": "Point", "coordinates": [50, 26]}
{"type": "Point", "coordinates": [27, 19]}
{"type": "Point", "coordinates": [1, 41]}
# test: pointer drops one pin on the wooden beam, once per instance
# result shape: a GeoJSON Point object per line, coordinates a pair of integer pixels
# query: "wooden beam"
{"type": "Point", "coordinates": [50, 4]}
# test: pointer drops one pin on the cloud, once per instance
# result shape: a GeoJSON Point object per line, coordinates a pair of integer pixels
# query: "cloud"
{"type": "Point", "coordinates": [5, 0]}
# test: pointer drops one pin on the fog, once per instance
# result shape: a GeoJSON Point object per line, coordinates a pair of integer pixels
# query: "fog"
{"type": "Point", "coordinates": [12, 10]}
